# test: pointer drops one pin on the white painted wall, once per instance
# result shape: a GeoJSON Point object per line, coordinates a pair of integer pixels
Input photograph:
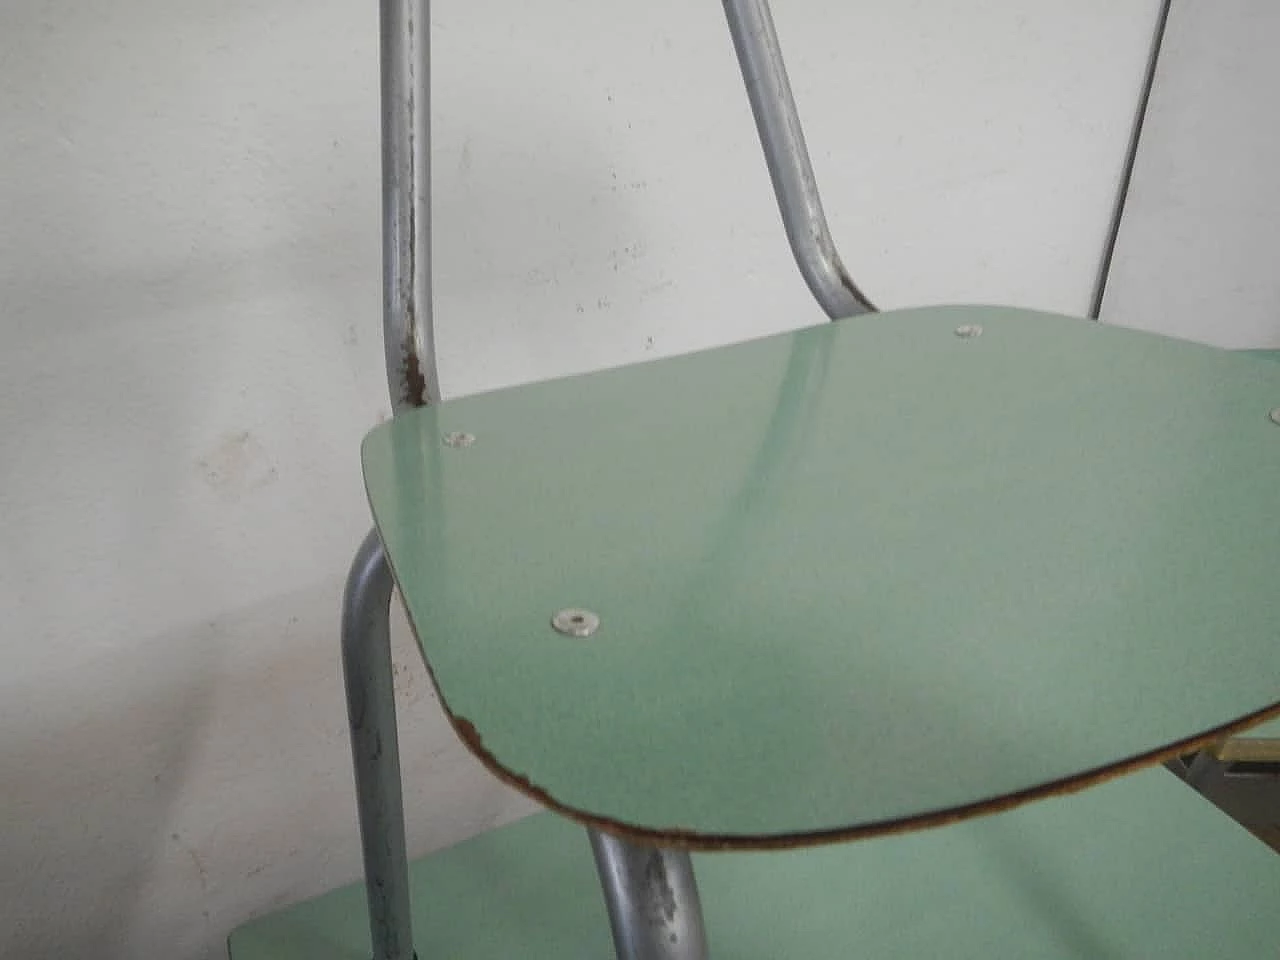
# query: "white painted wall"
{"type": "Point", "coordinates": [1198, 253]}
{"type": "Point", "coordinates": [189, 308]}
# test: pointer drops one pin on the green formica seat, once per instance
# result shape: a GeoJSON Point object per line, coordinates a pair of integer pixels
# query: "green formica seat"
{"type": "Point", "coordinates": [898, 570]}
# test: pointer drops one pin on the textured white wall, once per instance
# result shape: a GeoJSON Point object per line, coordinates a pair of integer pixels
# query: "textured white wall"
{"type": "Point", "coordinates": [189, 306]}
{"type": "Point", "coordinates": [1198, 250]}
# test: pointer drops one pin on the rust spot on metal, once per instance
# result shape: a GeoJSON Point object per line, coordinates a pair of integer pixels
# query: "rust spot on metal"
{"type": "Point", "coordinates": [662, 899]}
{"type": "Point", "coordinates": [412, 378]}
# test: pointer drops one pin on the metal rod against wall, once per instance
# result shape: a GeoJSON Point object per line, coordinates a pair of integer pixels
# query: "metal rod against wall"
{"type": "Point", "coordinates": [1130, 158]}
{"type": "Point", "coordinates": [407, 331]}
{"type": "Point", "coordinates": [375, 749]}
{"type": "Point", "coordinates": [794, 185]}
{"type": "Point", "coordinates": [652, 899]}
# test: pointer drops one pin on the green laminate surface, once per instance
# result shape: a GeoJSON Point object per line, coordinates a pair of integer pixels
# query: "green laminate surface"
{"type": "Point", "coordinates": [860, 574]}
{"type": "Point", "coordinates": [1269, 730]}
{"type": "Point", "coordinates": [1140, 867]}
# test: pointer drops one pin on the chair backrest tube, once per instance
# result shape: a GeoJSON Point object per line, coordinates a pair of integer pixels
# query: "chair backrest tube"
{"type": "Point", "coordinates": [760, 57]}
{"type": "Point", "coordinates": [408, 335]}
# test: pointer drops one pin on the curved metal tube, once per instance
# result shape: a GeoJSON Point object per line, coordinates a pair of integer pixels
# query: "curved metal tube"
{"type": "Point", "coordinates": [375, 748]}
{"type": "Point", "coordinates": [760, 57]}
{"type": "Point", "coordinates": [654, 909]}
{"type": "Point", "coordinates": [407, 332]}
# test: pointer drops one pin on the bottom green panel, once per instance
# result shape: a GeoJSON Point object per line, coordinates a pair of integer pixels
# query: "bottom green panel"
{"type": "Point", "coordinates": [1139, 867]}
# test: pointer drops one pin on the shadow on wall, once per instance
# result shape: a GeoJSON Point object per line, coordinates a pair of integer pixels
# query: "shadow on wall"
{"type": "Point", "coordinates": [93, 768]}
{"type": "Point", "coordinates": [156, 800]}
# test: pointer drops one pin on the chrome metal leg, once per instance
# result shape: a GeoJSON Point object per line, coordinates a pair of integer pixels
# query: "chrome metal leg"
{"type": "Point", "coordinates": [652, 898]}
{"type": "Point", "coordinates": [375, 750]}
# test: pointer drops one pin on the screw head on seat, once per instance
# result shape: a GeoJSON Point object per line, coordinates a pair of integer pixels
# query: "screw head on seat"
{"type": "Point", "coordinates": [575, 622]}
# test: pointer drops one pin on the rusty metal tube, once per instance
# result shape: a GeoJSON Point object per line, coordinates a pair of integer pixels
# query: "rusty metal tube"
{"type": "Point", "coordinates": [408, 335]}
{"type": "Point", "coordinates": [654, 909]}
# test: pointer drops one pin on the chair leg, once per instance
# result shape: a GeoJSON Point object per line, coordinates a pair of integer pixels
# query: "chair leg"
{"type": "Point", "coordinates": [1204, 769]}
{"type": "Point", "coordinates": [375, 750]}
{"type": "Point", "coordinates": [652, 898]}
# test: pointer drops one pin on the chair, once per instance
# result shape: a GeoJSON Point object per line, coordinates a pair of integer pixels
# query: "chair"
{"type": "Point", "coordinates": [915, 569]}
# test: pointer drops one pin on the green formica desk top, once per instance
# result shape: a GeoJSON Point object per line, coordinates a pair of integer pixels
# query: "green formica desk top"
{"type": "Point", "coordinates": [1138, 869]}
{"type": "Point", "coordinates": [859, 578]}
